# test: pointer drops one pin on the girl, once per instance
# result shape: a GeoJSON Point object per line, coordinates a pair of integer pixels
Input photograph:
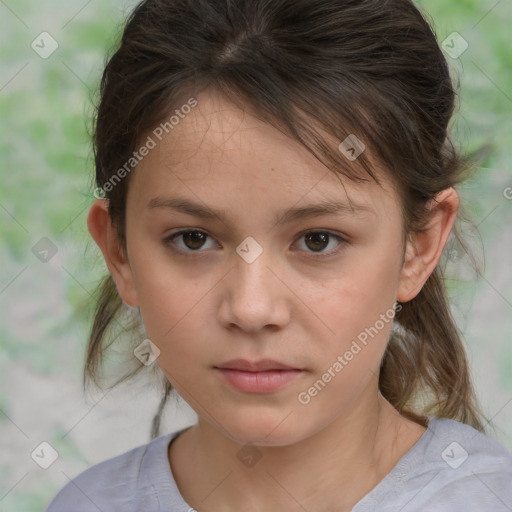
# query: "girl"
{"type": "Point", "coordinates": [276, 187]}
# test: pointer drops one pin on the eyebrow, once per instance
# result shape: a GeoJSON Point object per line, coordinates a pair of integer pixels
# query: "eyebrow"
{"type": "Point", "coordinates": [183, 205]}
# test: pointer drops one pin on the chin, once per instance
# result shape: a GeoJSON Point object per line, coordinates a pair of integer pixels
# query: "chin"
{"type": "Point", "coordinates": [264, 430]}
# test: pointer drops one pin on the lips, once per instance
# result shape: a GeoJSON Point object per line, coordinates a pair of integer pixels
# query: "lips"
{"type": "Point", "coordinates": [263, 365]}
{"type": "Point", "coordinates": [264, 376]}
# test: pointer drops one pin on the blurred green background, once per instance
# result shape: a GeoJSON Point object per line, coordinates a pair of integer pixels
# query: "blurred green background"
{"type": "Point", "coordinates": [46, 106]}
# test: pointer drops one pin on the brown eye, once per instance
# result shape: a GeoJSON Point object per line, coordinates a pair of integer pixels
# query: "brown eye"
{"type": "Point", "coordinates": [318, 241]}
{"type": "Point", "coordinates": [192, 240]}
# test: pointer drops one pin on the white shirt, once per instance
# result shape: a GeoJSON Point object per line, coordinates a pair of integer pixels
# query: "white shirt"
{"type": "Point", "coordinates": [451, 468]}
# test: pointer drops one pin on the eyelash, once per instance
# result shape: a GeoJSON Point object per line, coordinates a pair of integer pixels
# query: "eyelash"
{"type": "Point", "coordinates": [169, 241]}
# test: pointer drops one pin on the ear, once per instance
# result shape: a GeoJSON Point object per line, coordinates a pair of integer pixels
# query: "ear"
{"type": "Point", "coordinates": [424, 249]}
{"type": "Point", "coordinates": [105, 235]}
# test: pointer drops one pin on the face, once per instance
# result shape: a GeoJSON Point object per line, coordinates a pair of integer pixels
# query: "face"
{"type": "Point", "coordinates": [262, 277]}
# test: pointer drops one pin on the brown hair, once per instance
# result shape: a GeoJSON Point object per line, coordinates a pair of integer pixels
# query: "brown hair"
{"type": "Point", "coordinates": [311, 68]}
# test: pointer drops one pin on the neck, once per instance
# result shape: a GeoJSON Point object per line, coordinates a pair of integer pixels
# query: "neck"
{"type": "Point", "coordinates": [330, 470]}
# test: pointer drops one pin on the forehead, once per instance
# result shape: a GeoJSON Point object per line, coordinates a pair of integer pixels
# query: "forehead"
{"type": "Point", "coordinates": [217, 148]}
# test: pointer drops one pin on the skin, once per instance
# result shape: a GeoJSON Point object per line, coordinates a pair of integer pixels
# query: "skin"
{"type": "Point", "coordinates": [205, 307]}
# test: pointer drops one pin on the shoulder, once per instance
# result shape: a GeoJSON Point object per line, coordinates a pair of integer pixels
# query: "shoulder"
{"type": "Point", "coordinates": [473, 468]}
{"type": "Point", "coordinates": [463, 449]}
{"type": "Point", "coordinates": [452, 467]}
{"type": "Point", "coordinates": [128, 482]}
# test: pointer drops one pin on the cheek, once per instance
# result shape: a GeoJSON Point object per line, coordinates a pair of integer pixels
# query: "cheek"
{"type": "Point", "coordinates": [365, 290]}
{"type": "Point", "coordinates": [168, 300]}
{"type": "Point", "coordinates": [170, 307]}
{"type": "Point", "coordinates": [357, 312]}
{"type": "Point", "coordinates": [175, 321]}
{"type": "Point", "coordinates": [347, 358]}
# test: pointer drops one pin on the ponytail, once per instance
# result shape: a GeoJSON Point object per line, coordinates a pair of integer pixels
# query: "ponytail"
{"type": "Point", "coordinates": [426, 362]}
{"type": "Point", "coordinates": [108, 304]}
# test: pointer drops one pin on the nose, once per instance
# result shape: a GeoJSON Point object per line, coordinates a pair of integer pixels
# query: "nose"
{"type": "Point", "coordinates": [254, 296]}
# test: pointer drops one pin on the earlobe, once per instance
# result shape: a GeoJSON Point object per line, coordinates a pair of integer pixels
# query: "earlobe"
{"type": "Point", "coordinates": [104, 234]}
{"type": "Point", "coordinates": [424, 249]}
{"type": "Point", "coordinates": [412, 272]}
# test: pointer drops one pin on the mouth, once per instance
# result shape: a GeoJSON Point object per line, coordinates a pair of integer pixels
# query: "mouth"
{"type": "Point", "coordinates": [264, 376]}
{"type": "Point", "coordinates": [255, 366]}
